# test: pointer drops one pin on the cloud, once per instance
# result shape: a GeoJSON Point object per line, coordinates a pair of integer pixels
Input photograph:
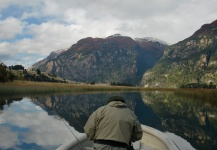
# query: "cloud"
{"type": "Point", "coordinates": [47, 37]}
{"type": "Point", "coordinates": [101, 18]}
{"type": "Point", "coordinates": [54, 35]}
{"type": "Point", "coordinates": [10, 27]}
{"type": "Point", "coordinates": [44, 26]}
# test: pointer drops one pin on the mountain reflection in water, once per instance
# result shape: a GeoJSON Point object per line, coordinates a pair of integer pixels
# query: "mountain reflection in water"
{"type": "Point", "coordinates": [24, 125]}
{"type": "Point", "coordinates": [34, 124]}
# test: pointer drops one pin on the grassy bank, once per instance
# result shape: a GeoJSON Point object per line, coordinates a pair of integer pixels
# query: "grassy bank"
{"type": "Point", "coordinates": [18, 86]}
{"type": "Point", "coordinates": [27, 87]}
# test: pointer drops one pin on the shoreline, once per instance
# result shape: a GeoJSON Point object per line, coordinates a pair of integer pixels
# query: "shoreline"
{"type": "Point", "coordinates": [18, 87]}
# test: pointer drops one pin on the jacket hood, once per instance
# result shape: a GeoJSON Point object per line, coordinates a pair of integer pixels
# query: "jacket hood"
{"type": "Point", "coordinates": [117, 104]}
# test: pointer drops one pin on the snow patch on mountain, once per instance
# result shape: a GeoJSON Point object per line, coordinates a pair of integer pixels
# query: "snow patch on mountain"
{"type": "Point", "coordinates": [114, 35]}
{"type": "Point", "coordinates": [151, 39]}
{"type": "Point", "coordinates": [60, 51]}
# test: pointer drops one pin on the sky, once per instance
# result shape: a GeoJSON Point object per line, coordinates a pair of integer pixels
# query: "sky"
{"type": "Point", "coordinates": [31, 29]}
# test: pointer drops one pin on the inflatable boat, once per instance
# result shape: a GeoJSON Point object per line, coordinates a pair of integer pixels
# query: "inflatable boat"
{"type": "Point", "coordinates": [152, 139]}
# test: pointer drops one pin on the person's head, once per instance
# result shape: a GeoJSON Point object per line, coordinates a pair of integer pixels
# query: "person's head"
{"type": "Point", "coordinates": [116, 98]}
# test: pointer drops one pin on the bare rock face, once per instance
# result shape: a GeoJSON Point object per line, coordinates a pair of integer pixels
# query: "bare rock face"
{"type": "Point", "coordinates": [192, 60]}
{"type": "Point", "coordinates": [52, 56]}
{"type": "Point", "coordinates": [104, 60]}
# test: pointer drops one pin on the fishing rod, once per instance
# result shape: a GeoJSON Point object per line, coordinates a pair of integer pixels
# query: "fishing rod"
{"type": "Point", "coordinates": [62, 119]}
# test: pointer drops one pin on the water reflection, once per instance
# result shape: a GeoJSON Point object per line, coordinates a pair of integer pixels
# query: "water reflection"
{"type": "Point", "coordinates": [77, 108]}
{"type": "Point", "coordinates": [24, 125]}
{"type": "Point", "coordinates": [195, 121]}
{"type": "Point", "coordinates": [33, 124]}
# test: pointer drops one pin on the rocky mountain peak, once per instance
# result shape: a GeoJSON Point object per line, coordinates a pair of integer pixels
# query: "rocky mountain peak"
{"type": "Point", "coordinates": [54, 54]}
{"type": "Point", "coordinates": [104, 60]}
{"type": "Point", "coordinates": [206, 28]}
{"type": "Point", "coordinates": [191, 61]}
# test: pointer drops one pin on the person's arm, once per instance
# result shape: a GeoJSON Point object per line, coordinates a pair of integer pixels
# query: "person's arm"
{"type": "Point", "coordinates": [90, 126]}
{"type": "Point", "coordinates": [137, 131]}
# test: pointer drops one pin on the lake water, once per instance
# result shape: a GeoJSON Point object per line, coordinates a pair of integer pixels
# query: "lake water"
{"type": "Point", "coordinates": [43, 123]}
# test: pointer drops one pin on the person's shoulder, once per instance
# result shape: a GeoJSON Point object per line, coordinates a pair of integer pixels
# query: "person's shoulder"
{"type": "Point", "coordinates": [131, 112]}
{"type": "Point", "coordinates": [101, 108]}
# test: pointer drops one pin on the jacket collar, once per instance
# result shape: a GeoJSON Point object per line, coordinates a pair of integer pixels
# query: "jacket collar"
{"type": "Point", "coordinates": [117, 104]}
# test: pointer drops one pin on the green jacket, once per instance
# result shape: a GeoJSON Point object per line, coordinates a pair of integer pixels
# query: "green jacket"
{"type": "Point", "coordinates": [113, 121]}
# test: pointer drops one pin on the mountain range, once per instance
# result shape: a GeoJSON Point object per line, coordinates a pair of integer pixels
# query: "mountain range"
{"type": "Point", "coordinates": [147, 62]}
{"type": "Point", "coordinates": [117, 58]}
{"type": "Point", "coordinates": [191, 61]}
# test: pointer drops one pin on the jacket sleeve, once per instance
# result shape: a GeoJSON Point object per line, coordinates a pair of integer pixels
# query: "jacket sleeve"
{"type": "Point", "coordinates": [137, 131]}
{"type": "Point", "coordinates": [90, 126]}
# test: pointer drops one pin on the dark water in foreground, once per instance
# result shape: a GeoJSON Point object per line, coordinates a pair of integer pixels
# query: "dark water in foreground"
{"type": "Point", "coordinates": [37, 124]}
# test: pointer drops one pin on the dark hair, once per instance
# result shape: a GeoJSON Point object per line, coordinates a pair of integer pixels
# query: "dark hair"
{"type": "Point", "coordinates": [116, 98]}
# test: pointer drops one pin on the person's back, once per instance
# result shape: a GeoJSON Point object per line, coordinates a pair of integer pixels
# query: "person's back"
{"type": "Point", "coordinates": [113, 125]}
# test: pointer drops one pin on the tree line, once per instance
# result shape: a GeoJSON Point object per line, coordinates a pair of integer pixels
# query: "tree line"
{"type": "Point", "coordinates": [5, 75]}
{"type": "Point", "coordinates": [211, 85]}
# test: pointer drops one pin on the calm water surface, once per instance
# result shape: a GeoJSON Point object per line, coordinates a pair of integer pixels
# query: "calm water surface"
{"type": "Point", "coordinates": [41, 123]}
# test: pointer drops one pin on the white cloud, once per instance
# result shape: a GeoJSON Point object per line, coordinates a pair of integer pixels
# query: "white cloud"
{"type": "Point", "coordinates": [47, 37]}
{"type": "Point", "coordinates": [10, 27]}
{"type": "Point", "coordinates": [3, 45]}
{"type": "Point", "coordinates": [161, 17]}
{"type": "Point", "coordinates": [54, 35]}
{"type": "Point", "coordinates": [62, 23]}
